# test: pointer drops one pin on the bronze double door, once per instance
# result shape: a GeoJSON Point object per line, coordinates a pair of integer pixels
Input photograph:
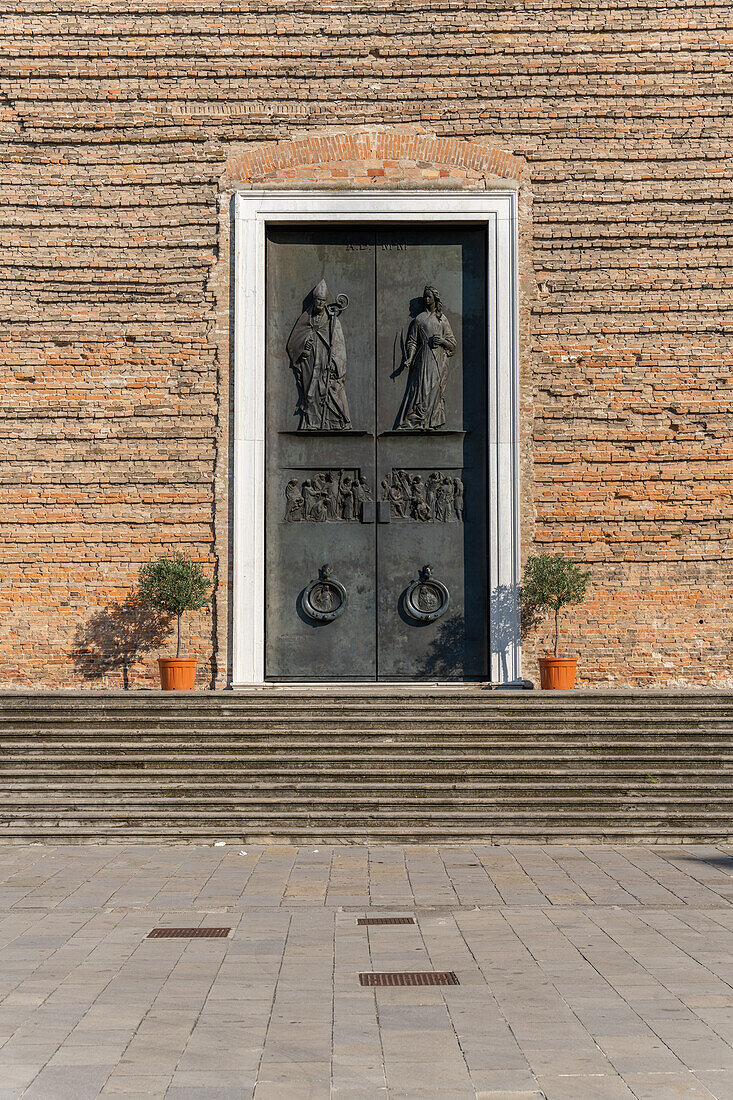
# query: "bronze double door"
{"type": "Point", "coordinates": [376, 419]}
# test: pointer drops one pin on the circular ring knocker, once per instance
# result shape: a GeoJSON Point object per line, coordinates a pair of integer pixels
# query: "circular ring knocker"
{"type": "Point", "coordinates": [426, 599]}
{"type": "Point", "coordinates": [325, 599]}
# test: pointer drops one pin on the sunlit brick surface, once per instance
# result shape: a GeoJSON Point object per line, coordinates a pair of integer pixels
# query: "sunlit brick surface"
{"type": "Point", "coordinates": [125, 133]}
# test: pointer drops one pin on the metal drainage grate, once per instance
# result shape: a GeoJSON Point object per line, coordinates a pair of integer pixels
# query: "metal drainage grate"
{"type": "Point", "coordinates": [188, 933]}
{"type": "Point", "coordinates": [386, 920]}
{"type": "Point", "coordinates": [406, 977]}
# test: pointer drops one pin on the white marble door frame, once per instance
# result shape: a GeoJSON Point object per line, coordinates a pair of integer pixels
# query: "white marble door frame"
{"type": "Point", "coordinates": [254, 210]}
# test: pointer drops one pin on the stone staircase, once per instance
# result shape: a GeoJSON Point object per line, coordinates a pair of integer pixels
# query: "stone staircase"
{"type": "Point", "coordinates": [348, 765]}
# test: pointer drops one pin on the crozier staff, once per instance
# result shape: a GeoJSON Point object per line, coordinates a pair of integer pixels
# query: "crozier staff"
{"type": "Point", "coordinates": [430, 344]}
{"type": "Point", "coordinates": [317, 352]}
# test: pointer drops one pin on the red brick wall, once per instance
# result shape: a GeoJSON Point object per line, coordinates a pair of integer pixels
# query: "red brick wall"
{"type": "Point", "coordinates": [126, 127]}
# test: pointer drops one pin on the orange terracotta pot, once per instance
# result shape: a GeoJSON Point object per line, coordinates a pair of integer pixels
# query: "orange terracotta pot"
{"type": "Point", "coordinates": [177, 673]}
{"type": "Point", "coordinates": [558, 673]}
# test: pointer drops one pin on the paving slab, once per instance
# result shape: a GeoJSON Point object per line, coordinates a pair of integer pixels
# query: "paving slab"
{"type": "Point", "coordinates": [586, 973]}
{"type": "Point", "coordinates": [671, 1086]}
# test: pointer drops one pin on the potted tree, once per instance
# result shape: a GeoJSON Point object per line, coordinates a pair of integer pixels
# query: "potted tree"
{"type": "Point", "coordinates": [173, 585]}
{"type": "Point", "coordinates": [550, 583]}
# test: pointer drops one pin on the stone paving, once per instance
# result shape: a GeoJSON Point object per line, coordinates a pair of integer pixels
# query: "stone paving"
{"type": "Point", "coordinates": [587, 973]}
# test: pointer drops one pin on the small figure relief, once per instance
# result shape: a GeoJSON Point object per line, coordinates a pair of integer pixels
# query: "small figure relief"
{"type": "Point", "coordinates": [324, 596]}
{"type": "Point", "coordinates": [294, 503]}
{"type": "Point", "coordinates": [317, 352]}
{"type": "Point", "coordinates": [437, 499]}
{"type": "Point", "coordinates": [428, 349]}
{"type": "Point", "coordinates": [427, 599]}
{"type": "Point", "coordinates": [330, 495]}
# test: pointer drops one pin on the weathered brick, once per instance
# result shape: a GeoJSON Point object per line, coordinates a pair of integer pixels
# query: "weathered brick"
{"type": "Point", "coordinates": [127, 127]}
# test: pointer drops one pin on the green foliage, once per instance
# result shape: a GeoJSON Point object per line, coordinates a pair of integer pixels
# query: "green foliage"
{"type": "Point", "coordinates": [173, 585]}
{"type": "Point", "coordinates": [551, 582]}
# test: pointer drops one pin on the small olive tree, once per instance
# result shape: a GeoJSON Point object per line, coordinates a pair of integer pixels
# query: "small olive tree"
{"type": "Point", "coordinates": [551, 582]}
{"type": "Point", "coordinates": [174, 584]}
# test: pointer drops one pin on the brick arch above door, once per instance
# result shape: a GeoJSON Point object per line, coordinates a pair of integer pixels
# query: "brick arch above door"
{"type": "Point", "coordinates": [374, 158]}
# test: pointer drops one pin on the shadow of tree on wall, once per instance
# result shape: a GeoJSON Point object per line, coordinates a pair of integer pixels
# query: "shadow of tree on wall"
{"type": "Point", "coordinates": [506, 628]}
{"type": "Point", "coordinates": [116, 637]}
{"type": "Point", "coordinates": [447, 655]}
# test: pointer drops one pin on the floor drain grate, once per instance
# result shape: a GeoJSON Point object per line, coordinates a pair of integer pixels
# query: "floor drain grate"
{"type": "Point", "coordinates": [386, 920]}
{"type": "Point", "coordinates": [188, 933]}
{"type": "Point", "coordinates": [406, 977]}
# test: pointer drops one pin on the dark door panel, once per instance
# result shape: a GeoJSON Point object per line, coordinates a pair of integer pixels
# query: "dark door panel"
{"type": "Point", "coordinates": [431, 454]}
{"type": "Point", "coordinates": [319, 478]}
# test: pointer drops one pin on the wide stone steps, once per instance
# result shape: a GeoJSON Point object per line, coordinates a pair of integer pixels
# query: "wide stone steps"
{"type": "Point", "coordinates": [350, 765]}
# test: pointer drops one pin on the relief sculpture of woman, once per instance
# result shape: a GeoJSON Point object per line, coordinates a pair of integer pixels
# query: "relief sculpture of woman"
{"type": "Point", "coordinates": [429, 346]}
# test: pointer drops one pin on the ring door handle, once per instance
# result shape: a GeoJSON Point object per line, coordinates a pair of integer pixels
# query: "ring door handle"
{"type": "Point", "coordinates": [426, 599]}
{"type": "Point", "coordinates": [326, 598]}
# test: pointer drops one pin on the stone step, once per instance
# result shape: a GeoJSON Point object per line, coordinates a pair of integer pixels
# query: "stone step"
{"type": "Point", "coordinates": [409, 746]}
{"type": "Point", "coordinates": [286, 803]}
{"type": "Point", "coordinates": [365, 727]}
{"type": "Point", "coordinates": [357, 813]}
{"type": "Point", "coordinates": [126, 834]}
{"type": "Point", "coordinates": [325, 776]}
{"type": "Point", "coordinates": [408, 738]}
{"type": "Point", "coordinates": [388, 748]}
{"type": "Point", "coordinates": [642, 760]}
{"type": "Point", "coordinates": [177, 714]}
{"type": "Point", "coordinates": [175, 706]}
{"type": "Point", "coordinates": [371, 832]}
{"type": "Point", "coordinates": [357, 691]}
{"type": "Point", "coordinates": [365, 690]}
{"type": "Point", "coordinates": [363, 730]}
{"type": "Point", "coordinates": [298, 782]}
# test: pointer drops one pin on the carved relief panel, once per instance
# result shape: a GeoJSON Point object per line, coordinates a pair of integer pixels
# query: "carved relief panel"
{"type": "Point", "coordinates": [422, 496]}
{"type": "Point", "coordinates": [325, 496]}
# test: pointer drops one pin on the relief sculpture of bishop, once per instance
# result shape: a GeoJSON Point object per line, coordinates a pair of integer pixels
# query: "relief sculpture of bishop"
{"type": "Point", "coordinates": [317, 352]}
{"type": "Point", "coordinates": [429, 346]}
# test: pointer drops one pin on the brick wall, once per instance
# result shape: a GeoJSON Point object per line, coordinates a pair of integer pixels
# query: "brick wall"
{"type": "Point", "coordinates": [126, 127]}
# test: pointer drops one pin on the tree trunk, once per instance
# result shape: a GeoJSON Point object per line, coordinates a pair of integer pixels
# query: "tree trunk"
{"type": "Point", "coordinates": [557, 627]}
{"type": "Point", "coordinates": [178, 645]}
